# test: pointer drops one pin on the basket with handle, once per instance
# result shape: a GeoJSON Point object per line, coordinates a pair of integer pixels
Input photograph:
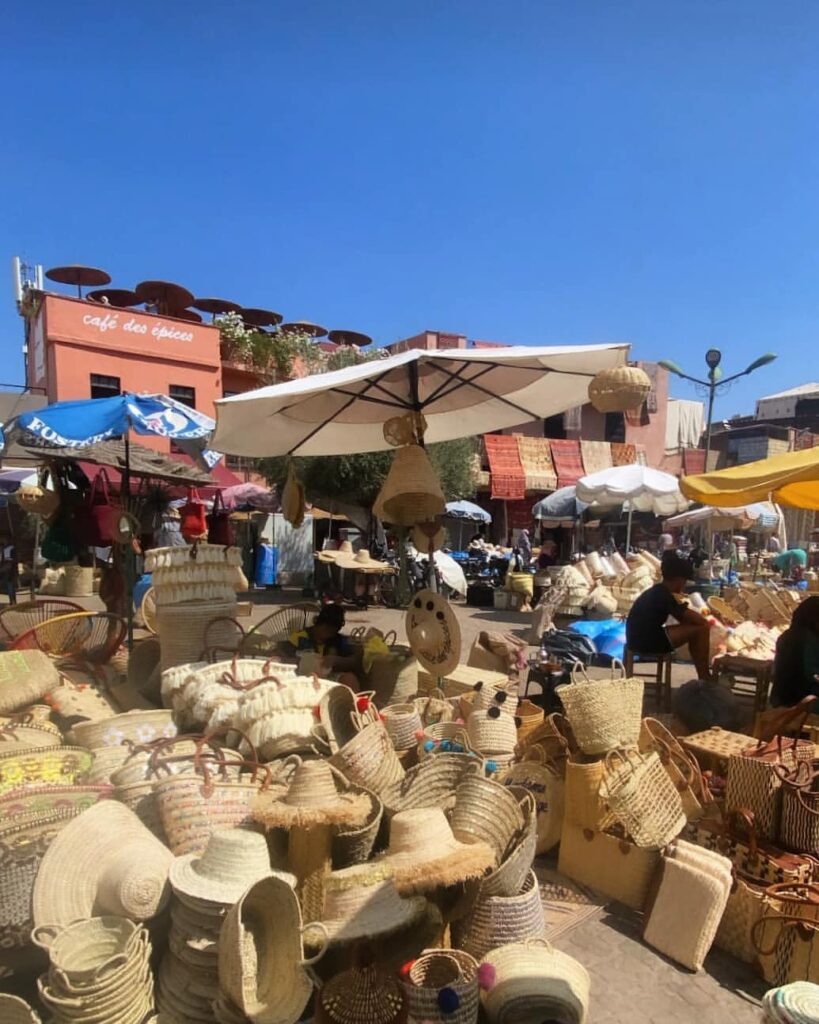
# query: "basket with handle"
{"type": "Point", "coordinates": [438, 969]}
{"type": "Point", "coordinates": [432, 783]}
{"type": "Point", "coordinates": [545, 781]}
{"type": "Point", "coordinates": [604, 713]}
{"type": "Point", "coordinates": [583, 804]}
{"type": "Point", "coordinates": [642, 797]}
{"type": "Point", "coordinates": [443, 738]}
{"type": "Point", "coordinates": [182, 629]}
{"type": "Point", "coordinates": [355, 845]}
{"type": "Point", "coordinates": [680, 766]}
{"type": "Point", "coordinates": [799, 827]}
{"type": "Point", "coordinates": [403, 723]}
{"type": "Point", "coordinates": [369, 759]}
{"type": "Point", "coordinates": [534, 981]}
{"type": "Point", "coordinates": [499, 920]}
{"type": "Point", "coordinates": [434, 708]}
{"type": "Point", "coordinates": [510, 875]}
{"type": "Point", "coordinates": [486, 811]}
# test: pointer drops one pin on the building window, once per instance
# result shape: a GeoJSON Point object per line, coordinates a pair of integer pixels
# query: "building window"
{"type": "Point", "coordinates": [615, 428]}
{"type": "Point", "coordinates": [179, 393]}
{"type": "Point", "coordinates": [104, 387]}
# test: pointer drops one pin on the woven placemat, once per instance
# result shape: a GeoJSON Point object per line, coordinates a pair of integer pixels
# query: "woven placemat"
{"type": "Point", "coordinates": [565, 903]}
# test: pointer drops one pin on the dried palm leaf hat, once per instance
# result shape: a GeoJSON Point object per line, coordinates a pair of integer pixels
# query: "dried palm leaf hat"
{"type": "Point", "coordinates": [317, 795]}
{"type": "Point", "coordinates": [233, 860]}
{"type": "Point", "coordinates": [344, 550]}
{"type": "Point", "coordinates": [105, 861]}
{"type": "Point", "coordinates": [424, 854]}
{"type": "Point", "coordinates": [362, 995]}
{"type": "Point", "coordinates": [261, 954]}
{"type": "Point", "coordinates": [362, 561]}
{"type": "Point", "coordinates": [362, 902]}
{"type": "Point", "coordinates": [433, 632]}
{"type": "Point", "coordinates": [16, 1011]}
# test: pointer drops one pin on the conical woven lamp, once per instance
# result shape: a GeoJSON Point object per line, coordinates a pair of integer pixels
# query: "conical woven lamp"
{"type": "Point", "coordinates": [412, 492]}
{"type": "Point", "coordinates": [362, 995]}
{"type": "Point", "coordinates": [619, 389]}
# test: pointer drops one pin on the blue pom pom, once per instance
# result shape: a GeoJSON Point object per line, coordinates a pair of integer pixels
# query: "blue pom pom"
{"type": "Point", "coordinates": [429, 746]}
{"type": "Point", "coordinates": [491, 766]}
{"type": "Point", "coordinates": [448, 1000]}
{"type": "Point", "coordinates": [446, 746]}
{"type": "Point", "coordinates": [457, 748]}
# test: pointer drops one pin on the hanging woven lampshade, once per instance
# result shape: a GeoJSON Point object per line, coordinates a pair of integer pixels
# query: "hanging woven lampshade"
{"type": "Point", "coordinates": [619, 389]}
{"type": "Point", "coordinates": [411, 493]}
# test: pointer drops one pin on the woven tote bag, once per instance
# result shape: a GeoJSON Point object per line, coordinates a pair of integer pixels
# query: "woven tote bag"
{"type": "Point", "coordinates": [603, 713]}
{"type": "Point", "coordinates": [681, 767]}
{"type": "Point", "coordinates": [433, 978]}
{"type": "Point", "coordinates": [745, 906]}
{"type": "Point", "coordinates": [499, 920]}
{"type": "Point", "coordinates": [787, 949]}
{"type": "Point", "coordinates": [543, 779]}
{"type": "Point", "coordinates": [755, 780]}
{"type": "Point", "coordinates": [609, 864]}
{"type": "Point", "coordinates": [583, 804]}
{"type": "Point", "coordinates": [642, 798]}
{"type": "Point", "coordinates": [369, 759]}
{"type": "Point", "coordinates": [799, 825]}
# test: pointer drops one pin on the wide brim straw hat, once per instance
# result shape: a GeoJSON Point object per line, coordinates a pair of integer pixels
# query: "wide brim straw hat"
{"type": "Point", "coordinates": [345, 549]}
{"type": "Point", "coordinates": [14, 1010]}
{"type": "Point", "coordinates": [433, 633]}
{"type": "Point", "coordinates": [261, 954]}
{"type": "Point", "coordinates": [316, 795]}
{"type": "Point", "coordinates": [423, 853]}
{"type": "Point", "coordinates": [411, 492]}
{"type": "Point", "coordinates": [362, 561]}
{"type": "Point", "coordinates": [363, 995]}
{"type": "Point", "coordinates": [104, 861]}
{"type": "Point", "coordinates": [362, 902]}
{"type": "Point", "coordinates": [233, 860]}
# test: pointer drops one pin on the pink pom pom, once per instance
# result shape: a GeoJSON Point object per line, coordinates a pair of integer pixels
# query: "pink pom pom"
{"type": "Point", "coordinates": [419, 734]}
{"type": "Point", "coordinates": [459, 721]}
{"type": "Point", "coordinates": [486, 976]}
{"type": "Point", "coordinates": [316, 712]}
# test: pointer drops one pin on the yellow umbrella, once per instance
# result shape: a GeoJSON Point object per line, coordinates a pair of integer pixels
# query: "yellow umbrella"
{"type": "Point", "coordinates": [791, 479]}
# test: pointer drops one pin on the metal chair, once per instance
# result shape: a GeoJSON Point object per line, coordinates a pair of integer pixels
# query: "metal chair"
{"type": "Point", "coordinates": [279, 625]}
{"type": "Point", "coordinates": [16, 619]}
{"type": "Point", "coordinates": [88, 639]}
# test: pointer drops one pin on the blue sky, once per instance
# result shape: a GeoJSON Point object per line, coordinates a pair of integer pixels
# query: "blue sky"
{"type": "Point", "coordinates": [529, 172]}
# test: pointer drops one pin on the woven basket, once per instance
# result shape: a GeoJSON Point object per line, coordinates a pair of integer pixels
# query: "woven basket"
{"type": "Point", "coordinates": [369, 759]}
{"type": "Point", "coordinates": [713, 747]}
{"type": "Point", "coordinates": [135, 726]}
{"type": "Point", "coordinates": [535, 982]}
{"type": "Point", "coordinates": [510, 877]}
{"type": "Point", "coordinates": [43, 766]}
{"type": "Point", "coordinates": [31, 728]}
{"type": "Point", "coordinates": [530, 718]}
{"type": "Point", "coordinates": [499, 920]}
{"type": "Point", "coordinates": [434, 708]}
{"type": "Point", "coordinates": [411, 493]}
{"type": "Point", "coordinates": [619, 389]}
{"type": "Point", "coordinates": [25, 677]}
{"type": "Point", "coordinates": [432, 783]}
{"type": "Point", "coordinates": [393, 677]}
{"type": "Point", "coordinates": [443, 738]}
{"type": "Point", "coordinates": [492, 732]}
{"type": "Point", "coordinates": [486, 811]}
{"type": "Point", "coordinates": [547, 786]}
{"type": "Point", "coordinates": [14, 1010]}
{"type": "Point", "coordinates": [44, 801]}
{"type": "Point", "coordinates": [78, 581]}
{"type": "Point", "coordinates": [437, 969]}
{"type": "Point", "coordinates": [583, 804]}
{"type": "Point", "coordinates": [402, 722]}
{"type": "Point", "coordinates": [182, 630]}
{"type": "Point", "coordinates": [354, 846]}
{"type": "Point", "coordinates": [643, 798]}
{"type": "Point", "coordinates": [605, 713]}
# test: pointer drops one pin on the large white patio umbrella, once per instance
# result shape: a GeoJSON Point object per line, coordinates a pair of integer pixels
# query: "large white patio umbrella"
{"type": "Point", "coordinates": [637, 487]}
{"type": "Point", "coordinates": [461, 392]}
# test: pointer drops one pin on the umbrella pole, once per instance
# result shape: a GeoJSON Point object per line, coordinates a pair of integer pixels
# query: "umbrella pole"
{"type": "Point", "coordinates": [628, 530]}
{"type": "Point", "coordinates": [129, 551]}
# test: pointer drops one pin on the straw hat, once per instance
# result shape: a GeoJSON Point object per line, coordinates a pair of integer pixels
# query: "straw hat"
{"type": "Point", "coordinates": [361, 561]}
{"type": "Point", "coordinates": [423, 853]}
{"type": "Point", "coordinates": [233, 860]}
{"type": "Point", "coordinates": [363, 995]}
{"type": "Point", "coordinates": [104, 861]}
{"type": "Point", "coordinates": [433, 632]}
{"type": "Point", "coordinates": [362, 902]}
{"type": "Point", "coordinates": [261, 953]}
{"type": "Point", "coordinates": [16, 1011]}
{"type": "Point", "coordinates": [411, 493]}
{"type": "Point", "coordinates": [316, 795]}
{"type": "Point", "coordinates": [345, 548]}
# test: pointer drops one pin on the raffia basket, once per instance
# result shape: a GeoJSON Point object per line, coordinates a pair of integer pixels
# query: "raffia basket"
{"type": "Point", "coordinates": [432, 783]}
{"type": "Point", "coordinates": [619, 389]}
{"type": "Point", "coordinates": [182, 628]}
{"type": "Point", "coordinates": [499, 920]}
{"type": "Point", "coordinates": [492, 732]}
{"type": "Point", "coordinates": [643, 798]}
{"type": "Point", "coordinates": [444, 737]}
{"type": "Point", "coordinates": [354, 846]}
{"type": "Point", "coordinates": [43, 766]}
{"type": "Point", "coordinates": [411, 492]}
{"type": "Point", "coordinates": [78, 581]}
{"type": "Point", "coordinates": [402, 722]}
{"type": "Point", "coordinates": [25, 677]}
{"type": "Point", "coordinates": [486, 811]}
{"type": "Point", "coordinates": [437, 969]}
{"type": "Point", "coordinates": [547, 785]}
{"type": "Point", "coordinates": [369, 759]}
{"type": "Point", "coordinates": [584, 806]}
{"type": "Point", "coordinates": [534, 981]}
{"type": "Point", "coordinates": [604, 713]}
{"type": "Point", "coordinates": [530, 717]}
{"type": "Point", "coordinates": [132, 726]}
{"type": "Point", "coordinates": [14, 1010]}
{"type": "Point", "coordinates": [510, 876]}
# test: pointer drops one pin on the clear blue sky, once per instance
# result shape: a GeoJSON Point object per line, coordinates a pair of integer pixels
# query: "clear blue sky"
{"type": "Point", "coordinates": [529, 172]}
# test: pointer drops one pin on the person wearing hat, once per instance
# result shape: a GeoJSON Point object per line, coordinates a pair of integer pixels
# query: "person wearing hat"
{"type": "Point", "coordinates": [647, 631]}
{"type": "Point", "coordinates": [324, 638]}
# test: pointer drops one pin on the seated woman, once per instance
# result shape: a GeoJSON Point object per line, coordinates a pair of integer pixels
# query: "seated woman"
{"type": "Point", "coordinates": [336, 660]}
{"type": "Point", "coordinates": [646, 629]}
{"type": "Point", "coordinates": [796, 663]}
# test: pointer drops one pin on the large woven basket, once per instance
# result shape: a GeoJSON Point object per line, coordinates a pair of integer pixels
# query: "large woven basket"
{"type": "Point", "coordinates": [534, 981]}
{"type": "Point", "coordinates": [492, 732]}
{"type": "Point", "coordinates": [369, 759]}
{"type": "Point", "coordinates": [133, 726]}
{"type": "Point", "coordinates": [486, 811]}
{"type": "Point", "coordinates": [643, 798]}
{"type": "Point", "coordinates": [604, 713]}
{"type": "Point", "coordinates": [619, 389]}
{"type": "Point", "coordinates": [510, 876]}
{"type": "Point", "coordinates": [402, 722]}
{"type": "Point", "coordinates": [499, 920]}
{"type": "Point", "coordinates": [432, 783]}
{"type": "Point", "coordinates": [25, 677]}
{"type": "Point", "coordinates": [411, 492]}
{"type": "Point", "coordinates": [437, 969]}
{"type": "Point", "coordinates": [78, 581]}
{"type": "Point", "coordinates": [43, 766]}
{"type": "Point", "coordinates": [182, 629]}
{"type": "Point", "coordinates": [546, 783]}
{"type": "Point", "coordinates": [354, 846]}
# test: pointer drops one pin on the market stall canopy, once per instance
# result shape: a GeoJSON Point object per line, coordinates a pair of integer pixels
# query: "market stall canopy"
{"type": "Point", "coordinates": [761, 515]}
{"type": "Point", "coordinates": [461, 393]}
{"type": "Point", "coordinates": [790, 479]}
{"type": "Point", "coordinates": [144, 462]}
{"type": "Point", "coordinates": [643, 489]}
{"type": "Point", "coordinates": [467, 510]}
{"type": "Point", "coordinates": [12, 479]}
{"type": "Point", "coordinates": [561, 508]}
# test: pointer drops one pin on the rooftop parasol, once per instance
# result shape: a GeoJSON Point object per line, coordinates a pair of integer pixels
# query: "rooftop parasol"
{"type": "Point", "coordinates": [216, 306]}
{"type": "Point", "coordinates": [260, 317]}
{"type": "Point", "coordinates": [122, 297]}
{"type": "Point", "coordinates": [79, 276]}
{"type": "Point", "coordinates": [350, 338]}
{"type": "Point", "coordinates": [165, 295]}
{"type": "Point", "coordinates": [305, 327]}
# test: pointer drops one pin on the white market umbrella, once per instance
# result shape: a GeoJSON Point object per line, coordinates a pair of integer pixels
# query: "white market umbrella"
{"type": "Point", "coordinates": [761, 514]}
{"type": "Point", "coordinates": [638, 487]}
{"type": "Point", "coordinates": [461, 393]}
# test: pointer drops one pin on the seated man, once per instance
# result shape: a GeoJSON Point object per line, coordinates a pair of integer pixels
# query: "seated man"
{"type": "Point", "coordinates": [336, 660]}
{"type": "Point", "coordinates": [796, 664]}
{"type": "Point", "coordinates": [646, 629]}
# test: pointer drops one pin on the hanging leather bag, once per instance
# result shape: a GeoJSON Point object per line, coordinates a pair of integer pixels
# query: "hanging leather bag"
{"type": "Point", "coordinates": [220, 528]}
{"type": "Point", "coordinates": [193, 524]}
{"type": "Point", "coordinates": [94, 520]}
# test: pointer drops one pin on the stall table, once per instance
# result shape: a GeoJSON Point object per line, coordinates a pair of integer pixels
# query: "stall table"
{"type": "Point", "coordinates": [758, 671]}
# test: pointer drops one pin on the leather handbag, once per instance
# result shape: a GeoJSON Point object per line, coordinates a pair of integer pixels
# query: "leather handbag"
{"type": "Point", "coordinates": [193, 523]}
{"type": "Point", "coordinates": [746, 905]}
{"type": "Point", "coordinates": [94, 520]}
{"type": "Point", "coordinates": [754, 859]}
{"type": "Point", "coordinates": [220, 528]}
{"type": "Point", "coordinates": [755, 780]}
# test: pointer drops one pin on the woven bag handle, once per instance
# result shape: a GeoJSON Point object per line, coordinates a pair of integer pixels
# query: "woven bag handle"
{"type": "Point", "coordinates": [318, 734]}
{"type": "Point", "coordinates": [793, 776]}
{"type": "Point", "coordinates": [788, 892]}
{"type": "Point", "coordinates": [579, 669]}
{"type": "Point", "coordinates": [747, 815]}
{"type": "Point", "coordinates": [785, 921]}
{"type": "Point", "coordinates": [210, 652]}
{"type": "Point", "coordinates": [541, 758]}
{"type": "Point", "coordinates": [617, 667]}
{"type": "Point", "coordinates": [386, 638]}
{"type": "Point", "coordinates": [43, 935]}
{"type": "Point", "coordinates": [325, 942]}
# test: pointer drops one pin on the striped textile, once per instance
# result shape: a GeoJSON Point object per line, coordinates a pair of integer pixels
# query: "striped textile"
{"type": "Point", "coordinates": [536, 459]}
{"type": "Point", "coordinates": [596, 456]}
{"type": "Point", "coordinates": [506, 471]}
{"type": "Point", "coordinates": [623, 454]}
{"type": "Point", "coordinates": [693, 461]}
{"type": "Point", "coordinates": [567, 460]}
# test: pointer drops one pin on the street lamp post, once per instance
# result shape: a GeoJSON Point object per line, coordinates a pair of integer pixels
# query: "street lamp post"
{"type": "Point", "coordinates": [713, 358]}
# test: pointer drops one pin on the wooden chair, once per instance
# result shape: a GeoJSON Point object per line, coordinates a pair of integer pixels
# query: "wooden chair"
{"type": "Point", "coordinates": [661, 678]}
{"type": "Point", "coordinates": [16, 619]}
{"type": "Point", "coordinates": [89, 639]}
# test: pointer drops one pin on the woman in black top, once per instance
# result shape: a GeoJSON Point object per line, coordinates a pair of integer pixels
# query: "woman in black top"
{"type": "Point", "coordinates": [796, 663]}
